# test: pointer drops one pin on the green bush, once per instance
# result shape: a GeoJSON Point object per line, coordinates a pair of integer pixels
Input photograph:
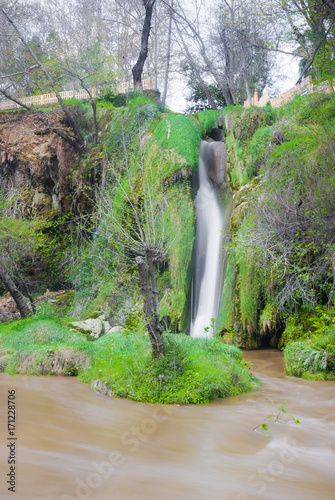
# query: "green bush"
{"type": "Point", "coordinates": [309, 340]}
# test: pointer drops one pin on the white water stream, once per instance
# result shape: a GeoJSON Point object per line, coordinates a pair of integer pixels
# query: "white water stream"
{"type": "Point", "coordinates": [208, 244]}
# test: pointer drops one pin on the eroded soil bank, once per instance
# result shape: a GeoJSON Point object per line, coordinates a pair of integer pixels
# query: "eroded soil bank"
{"type": "Point", "coordinates": [74, 444]}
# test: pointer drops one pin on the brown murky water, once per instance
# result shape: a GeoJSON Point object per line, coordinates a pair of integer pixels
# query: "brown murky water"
{"type": "Point", "coordinates": [74, 444]}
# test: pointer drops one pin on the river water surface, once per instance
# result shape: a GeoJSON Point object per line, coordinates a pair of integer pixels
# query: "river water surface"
{"type": "Point", "coordinates": [75, 444]}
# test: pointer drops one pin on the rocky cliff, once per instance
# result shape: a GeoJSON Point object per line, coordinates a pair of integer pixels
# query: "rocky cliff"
{"type": "Point", "coordinates": [41, 165]}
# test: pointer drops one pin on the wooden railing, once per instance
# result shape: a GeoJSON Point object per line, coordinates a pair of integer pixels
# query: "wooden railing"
{"type": "Point", "coordinates": [48, 99]}
{"type": "Point", "coordinates": [305, 87]}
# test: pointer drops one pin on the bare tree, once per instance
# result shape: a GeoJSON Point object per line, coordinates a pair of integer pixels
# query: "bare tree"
{"type": "Point", "coordinates": [132, 211]}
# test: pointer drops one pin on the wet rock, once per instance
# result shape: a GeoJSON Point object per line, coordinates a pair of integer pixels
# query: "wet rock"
{"type": "Point", "coordinates": [217, 163]}
{"type": "Point", "coordinates": [217, 134]}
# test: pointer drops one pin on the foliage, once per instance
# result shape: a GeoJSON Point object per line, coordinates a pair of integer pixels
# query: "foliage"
{"type": "Point", "coordinates": [32, 345]}
{"type": "Point", "coordinates": [250, 120]}
{"type": "Point", "coordinates": [248, 285]}
{"type": "Point", "coordinates": [20, 238]}
{"type": "Point", "coordinates": [309, 340]}
{"type": "Point", "coordinates": [259, 149]}
{"type": "Point", "coordinates": [226, 317]}
{"type": "Point", "coordinates": [179, 220]}
{"type": "Point", "coordinates": [198, 100]}
{"type": "Point", "coordinates": [238, 173]}
{"type": "Point", "coordinates": [128, 125]}
{"type": "Point", "coordinates": [275, 415]}
{"type": "Point", "coordinates": [313, 361]}
{"type": "Point", "coordinates": [293, 248]}
{"type": "Point", "coordinates": [118, 100]}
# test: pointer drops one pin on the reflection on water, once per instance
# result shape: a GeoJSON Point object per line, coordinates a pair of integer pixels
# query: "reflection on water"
{"type": "Point", "coordinates": [74, 444]}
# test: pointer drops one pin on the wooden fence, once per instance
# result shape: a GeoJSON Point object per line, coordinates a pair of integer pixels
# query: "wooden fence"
{"type": "Point", "coordinates": [48, 99]}
{"type": "Point", "coordinates": [305, 87]}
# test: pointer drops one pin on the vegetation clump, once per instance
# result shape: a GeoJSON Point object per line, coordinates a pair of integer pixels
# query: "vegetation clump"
{"type": "Point", "coordinates": [192, 371]}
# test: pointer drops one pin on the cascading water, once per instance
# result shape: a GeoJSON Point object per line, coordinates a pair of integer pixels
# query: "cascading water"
{"type": "Point", "coordinates": [208, 257]}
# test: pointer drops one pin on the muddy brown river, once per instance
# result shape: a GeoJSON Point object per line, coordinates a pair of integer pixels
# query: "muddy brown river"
{"type": "Point", "coordinates": [73, 444]}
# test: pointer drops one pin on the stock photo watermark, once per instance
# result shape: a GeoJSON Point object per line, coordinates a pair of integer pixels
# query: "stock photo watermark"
{"type": "Point", "coordinates": [84, 489]}
{"type": "Point", "coordinates": [264, 476]}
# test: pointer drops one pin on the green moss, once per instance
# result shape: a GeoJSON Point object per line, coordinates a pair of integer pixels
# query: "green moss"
{"type": "Point", "coordinates": [180, 223]}
{"type": "Point", "coordinates": [250, 286]}
{"type": "Point", "coordinates": [259, 149]}
{"type": "Point", "coordinates": [182, 134]}
{"type": "Point", "coordinates": [226, 317]}
{"type": "Point", "coordinates": [238, 172]}
{"type": "Point", "coordinates": [100, 301]}
{"type": "Point", "coordinates": [207, 119]}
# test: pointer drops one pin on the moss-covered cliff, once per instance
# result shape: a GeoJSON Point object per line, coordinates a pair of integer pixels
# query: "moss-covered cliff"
{"type": "Point", "coordinates": [61, 187]}
{"type": "Point", "coordinates": [281, 167]}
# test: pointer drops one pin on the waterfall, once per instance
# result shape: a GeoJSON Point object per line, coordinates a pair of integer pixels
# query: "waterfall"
{"type": "Point", "coordinates": [211, 221]}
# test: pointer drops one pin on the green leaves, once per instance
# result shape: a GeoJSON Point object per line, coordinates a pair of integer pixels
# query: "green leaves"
{"type": "Point", "coordinates": [277, 416]}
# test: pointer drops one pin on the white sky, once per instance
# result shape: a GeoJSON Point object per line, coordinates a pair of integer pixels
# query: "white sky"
{"type": "Point", "coordinates": [284, 74]}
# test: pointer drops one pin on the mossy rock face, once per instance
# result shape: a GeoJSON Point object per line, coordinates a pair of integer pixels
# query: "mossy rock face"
{"type": "Point", "coordinates": [249, 342]}
{"type": "Point", "coordinates": [181, 133]}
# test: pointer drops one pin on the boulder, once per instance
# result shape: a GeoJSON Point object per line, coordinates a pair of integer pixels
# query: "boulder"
{"type": "Point", "coordinates": [92, 327]}
{"type": "Point", "coordinates": [106, 326]}
{"type": "Point", "coordinates": [116, 329]}
{"type": "Point", "coordinates": [217, 162]}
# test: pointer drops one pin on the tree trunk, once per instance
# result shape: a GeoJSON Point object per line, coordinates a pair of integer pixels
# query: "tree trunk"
{"type": "Point", "coordinates": [168, 57]}
{"type": "Point", "coordinates": [23, 283]}
{"type": "Point", "coordinates": [15, 292]}
{"type": "Point", "coordinates": [150, 295]}
{"type": "Point", "coordinates": [138, 68]}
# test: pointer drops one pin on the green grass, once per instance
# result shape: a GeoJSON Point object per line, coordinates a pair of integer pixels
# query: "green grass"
{"type": "Point", "coordinates": [193, 371]}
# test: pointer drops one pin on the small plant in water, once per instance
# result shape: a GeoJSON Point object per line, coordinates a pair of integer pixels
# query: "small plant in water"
{"type": "Point", "coordinates": [276, 414]}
